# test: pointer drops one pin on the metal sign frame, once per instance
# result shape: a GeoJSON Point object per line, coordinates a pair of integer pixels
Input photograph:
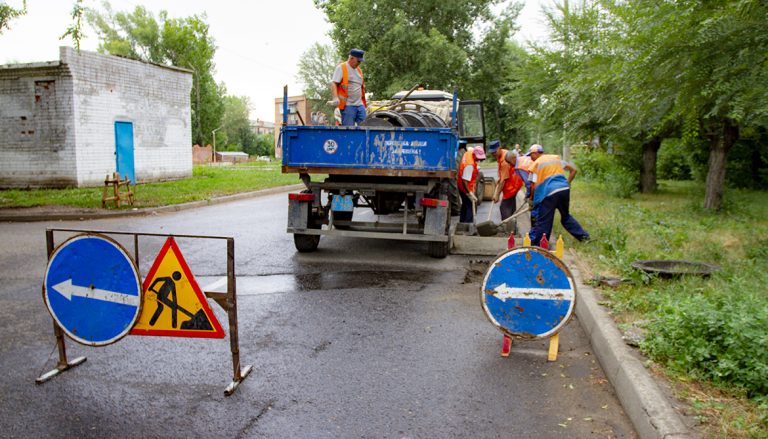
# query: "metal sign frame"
{"type": "Point", "coordinates": [227, 301]}
{"type": "Point", "coordinates": [553, 333]}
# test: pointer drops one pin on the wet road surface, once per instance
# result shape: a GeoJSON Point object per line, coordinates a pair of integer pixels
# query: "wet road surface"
{"type": "Point", "coordinates": [362, 338]}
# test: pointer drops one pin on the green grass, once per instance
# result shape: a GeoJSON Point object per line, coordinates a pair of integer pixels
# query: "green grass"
{"type": "Point", "coordinates": [711, 332]}
{"type": "Point", "coordinates": [206, 182]}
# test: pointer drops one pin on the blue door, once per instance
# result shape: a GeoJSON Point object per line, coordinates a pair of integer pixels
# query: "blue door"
{"type": "Point", "coordinates": [124, 150]}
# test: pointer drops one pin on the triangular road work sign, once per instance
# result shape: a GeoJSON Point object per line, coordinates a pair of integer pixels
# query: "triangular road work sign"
{"type": "Point", "coordinates": [174, 305]}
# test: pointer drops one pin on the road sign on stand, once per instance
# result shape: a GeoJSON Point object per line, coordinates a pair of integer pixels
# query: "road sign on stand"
{"type": "Point", "coordinates": [174, 304]}
{"type": "Point", "coordinates": [529, 293]}
{"type": "Point", "coordinates": [92, 289]}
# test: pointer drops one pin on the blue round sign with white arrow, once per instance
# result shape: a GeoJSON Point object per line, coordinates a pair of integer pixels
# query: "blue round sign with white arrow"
{"type": "Point", "coordinates": [92, 289]}
{"type": "Point", "coordinates": [528, 292]}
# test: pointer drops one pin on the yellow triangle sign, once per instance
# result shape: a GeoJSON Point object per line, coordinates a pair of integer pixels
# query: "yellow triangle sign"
{"type": "Point", "coordinates": [174, 305]}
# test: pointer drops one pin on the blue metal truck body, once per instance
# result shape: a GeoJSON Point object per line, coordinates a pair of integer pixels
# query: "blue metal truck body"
{"type": "Point", "coordinates": [427, 152]}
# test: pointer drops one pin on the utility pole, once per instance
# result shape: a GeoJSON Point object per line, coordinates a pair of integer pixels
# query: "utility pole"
{"type": "Point", "coordinates": [214, 143]}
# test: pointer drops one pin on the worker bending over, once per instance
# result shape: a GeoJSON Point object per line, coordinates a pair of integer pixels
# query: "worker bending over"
{"type": "Point", "coordinates": [550, 191]}
{"type": "Point", "coordinates": [509, 180]}
{"type": "Point", "coordinates": [467, 180]}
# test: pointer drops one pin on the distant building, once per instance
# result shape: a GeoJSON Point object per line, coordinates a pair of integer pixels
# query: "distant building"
{"type": "Point", "coordinates": [299, 113]}
{"type": "Point", "coordinates": [202, 154]}
{"type": "Point", "coordinates": [262, 127]}
{"type": "Point", "coordinates": [231, 156]}
{"type": "Point", "coordinates": [73, 121]}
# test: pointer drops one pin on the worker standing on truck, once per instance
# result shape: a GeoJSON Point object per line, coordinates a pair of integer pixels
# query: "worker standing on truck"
{"type": "Point", "coordinates": [467, 180]}
{"type": "Point", "coordinates": [509, 181]}
{"type": "Point", "coordinates": [348, 89]}
{"type": "Point", "coordinates": [550, 191]}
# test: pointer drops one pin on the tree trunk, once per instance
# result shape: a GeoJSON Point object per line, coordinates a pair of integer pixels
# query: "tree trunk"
{"type": "Point", "coordinates": [648, 166]}
{"type": "Point", "coordinates": [720, 145]}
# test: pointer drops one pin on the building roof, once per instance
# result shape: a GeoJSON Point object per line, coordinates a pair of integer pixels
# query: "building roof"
{"type": "Point", "coordinates": [232, 153]}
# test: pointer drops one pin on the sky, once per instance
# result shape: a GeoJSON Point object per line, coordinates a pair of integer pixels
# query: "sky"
{"type": "Point", "coordinates": [259, 43]}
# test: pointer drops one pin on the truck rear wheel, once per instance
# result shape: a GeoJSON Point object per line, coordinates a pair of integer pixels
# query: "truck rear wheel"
{"type": "Point", "coordinates": [306, 243]}
{"type": "Point", "coordinates": [438, 250]}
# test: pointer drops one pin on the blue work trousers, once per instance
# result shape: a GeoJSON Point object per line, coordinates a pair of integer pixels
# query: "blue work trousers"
{"type": "Point", "coordinates": [507, 207]}
{"type": "Point", "coordinates": [466, 215]}
{"type": "Point", "coordinates": [352, 115]}
{"type": "Point", "coordinates": [545, 217]}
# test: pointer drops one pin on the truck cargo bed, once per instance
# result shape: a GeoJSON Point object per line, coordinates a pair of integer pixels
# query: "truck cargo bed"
{"type": "Point", "coordinates": [395, 152]}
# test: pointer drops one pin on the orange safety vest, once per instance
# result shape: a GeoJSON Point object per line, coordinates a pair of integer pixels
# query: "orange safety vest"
{"type": "Point", "coordinates": [466, 160]}
{"type": "Point", "coordinates": [547, 165]}
{"type": "Point", "coordinates": [342, 89]}
{"type": "Point", "coordinates": [524, 162]}
{"type": "Point", "coordinates": [512, 181]}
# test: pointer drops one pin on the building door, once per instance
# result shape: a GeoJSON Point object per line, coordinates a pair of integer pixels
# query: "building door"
{"type": "Point", "coordinates": [124, 150]}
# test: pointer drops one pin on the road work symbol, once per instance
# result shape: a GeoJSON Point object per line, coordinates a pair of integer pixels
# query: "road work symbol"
{"type": "Point", "coordinates": [174, 304]}
{"type": "Point", "coordinates": [92, 289]}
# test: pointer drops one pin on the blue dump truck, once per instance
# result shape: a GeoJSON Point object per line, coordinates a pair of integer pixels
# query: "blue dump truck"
{"type": "Point", "coordinates": [392, 177]}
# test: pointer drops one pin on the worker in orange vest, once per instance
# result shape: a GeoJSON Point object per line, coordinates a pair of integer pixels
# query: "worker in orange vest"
{"type": "Point", "coordinates": [550, 191]}
{"type": "Point", "coordinates": [509, 181]}
{"type": "Point", "coordinates": [467, 180]}
{"type": "Point", "coordinates": [348, 89]}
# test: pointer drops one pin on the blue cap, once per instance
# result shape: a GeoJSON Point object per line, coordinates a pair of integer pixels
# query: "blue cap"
{"type": "Point", "coordinates": [357, 53]}
{"type": "Point", "coordinates": [493, 146]}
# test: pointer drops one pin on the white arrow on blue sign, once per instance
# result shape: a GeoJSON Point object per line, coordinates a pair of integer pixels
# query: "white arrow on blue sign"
{"type": "Point", "coordinates": [528, 292]}
{"type": "Point", "coordinates": [92, 289]}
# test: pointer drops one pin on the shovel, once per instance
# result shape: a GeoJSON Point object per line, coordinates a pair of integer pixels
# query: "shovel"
{"type": "Point", "coordinates": [487, 227]}
{"type": "Point", "coordinates": [492, 229]}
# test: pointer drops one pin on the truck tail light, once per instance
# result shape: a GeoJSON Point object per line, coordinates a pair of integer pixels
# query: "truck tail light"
{"type": "Point", "coordinates": [301, 197]}
{"type": "Point", "coordinates": [433, 202]}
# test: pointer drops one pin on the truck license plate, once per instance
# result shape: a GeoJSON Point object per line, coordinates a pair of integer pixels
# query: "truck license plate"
{"type": "Point", "coordinates": [342, 203]}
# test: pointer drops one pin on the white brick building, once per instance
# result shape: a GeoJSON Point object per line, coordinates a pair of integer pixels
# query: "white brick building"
{"type": "Point", "coordinates": [72, 122]}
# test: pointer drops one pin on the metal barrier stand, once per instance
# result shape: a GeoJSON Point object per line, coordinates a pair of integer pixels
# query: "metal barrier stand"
{"type": "Point", "coordinates": [63, 364]}
{"type": "Point", "coordinates": [227, 301]}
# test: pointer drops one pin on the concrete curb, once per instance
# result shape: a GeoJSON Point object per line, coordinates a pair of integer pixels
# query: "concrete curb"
{"type": "Point", "coordinates": [648, 408]}
{"type": "Point", "coordinates": [101, 214]}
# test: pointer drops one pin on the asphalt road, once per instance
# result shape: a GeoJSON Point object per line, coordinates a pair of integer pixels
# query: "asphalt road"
{"type": "Point", "coordinates": [363, 338]}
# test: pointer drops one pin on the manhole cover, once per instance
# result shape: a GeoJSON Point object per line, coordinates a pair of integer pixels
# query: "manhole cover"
{"type": "Point", "coordinates": [675, 267]}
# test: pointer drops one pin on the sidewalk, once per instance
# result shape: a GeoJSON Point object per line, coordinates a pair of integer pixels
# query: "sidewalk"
{"type": "Point", "coordinates": [65, 213]}
{"type": "Point", "coordinates": [651, 412]}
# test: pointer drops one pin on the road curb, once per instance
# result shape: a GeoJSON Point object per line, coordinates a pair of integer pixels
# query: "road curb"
{"type": "Point", "coordinates": [648, 408]}
{"type": "Point", "coordinates": [104, 213]}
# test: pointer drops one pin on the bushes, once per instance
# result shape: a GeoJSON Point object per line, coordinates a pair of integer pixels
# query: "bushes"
{"type": "Point", "coordinates": [672, 162]}
{"type": "Point", "coordinates": [720, 338]}
{"type": "Point", "coordinates": [620, 183]}
{"type": "Point", "coordinates": [617, 180]}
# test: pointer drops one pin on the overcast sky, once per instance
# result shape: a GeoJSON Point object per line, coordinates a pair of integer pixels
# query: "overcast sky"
{"type": "Point", "coordinates": [259, 42]}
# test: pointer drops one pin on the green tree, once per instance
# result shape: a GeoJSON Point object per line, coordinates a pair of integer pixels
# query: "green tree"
{"type": "Point", "coordinates": [181, 42]}
{"type": "Point", "coordinates": [440, 44]}
{"type": "Point", "coordinates": [8, 13]}
{"type": "Point", "coordinates": [235, 124]}
{"type": "Point", "coordinates": [315, 70]}
{"type": "Point", "coordinates": [265, 145]}
{"type": "Point", "coordinates": [708, 62]}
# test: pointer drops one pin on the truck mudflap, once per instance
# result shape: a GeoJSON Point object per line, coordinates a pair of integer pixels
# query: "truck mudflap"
{"type": "Point", "coordinates": [299, 206]}
{"type": "Point", "coordinates": [436, 216]}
